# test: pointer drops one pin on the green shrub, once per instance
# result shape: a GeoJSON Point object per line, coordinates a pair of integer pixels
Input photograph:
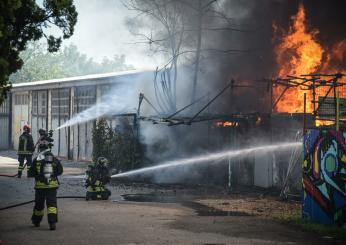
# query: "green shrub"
{"type": "Point", "coordinates": [118, 147]}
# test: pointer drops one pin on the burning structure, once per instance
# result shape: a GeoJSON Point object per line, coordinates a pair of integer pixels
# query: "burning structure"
{"type": "Point", "coordinates": [251, 111]}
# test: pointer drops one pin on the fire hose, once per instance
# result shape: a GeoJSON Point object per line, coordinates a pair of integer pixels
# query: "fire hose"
{"type": "Point", "coordinates": [8, 175]}
{"type": "Point", "coordinates": [28, 202]}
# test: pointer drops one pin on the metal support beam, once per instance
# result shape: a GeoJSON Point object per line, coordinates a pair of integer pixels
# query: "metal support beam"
{"type": "Point", "coordinates": [220, 93]}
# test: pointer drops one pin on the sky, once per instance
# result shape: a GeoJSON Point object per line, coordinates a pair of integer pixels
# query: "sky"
{"type": "Point", "coordinates": [101, 32]}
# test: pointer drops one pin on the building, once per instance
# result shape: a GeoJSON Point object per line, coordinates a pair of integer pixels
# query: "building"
{"type": "Point", "coordinates": [50, 103]}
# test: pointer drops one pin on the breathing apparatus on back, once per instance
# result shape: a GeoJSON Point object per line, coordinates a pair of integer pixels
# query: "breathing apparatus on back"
{"type": "Point", "coordinates": [46, 156]}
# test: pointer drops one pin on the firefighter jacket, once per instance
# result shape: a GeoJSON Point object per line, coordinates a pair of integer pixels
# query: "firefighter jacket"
{"type": "Point", "coordinates": [97, 177]}
{"type": "Point", "coordinates": [37, 170]}
{"type": "Point", "coordinates": [26, 144]}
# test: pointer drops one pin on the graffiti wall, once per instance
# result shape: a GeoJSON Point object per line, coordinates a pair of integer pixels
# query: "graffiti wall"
{"type": "Point", "coordinates": [324, 177]}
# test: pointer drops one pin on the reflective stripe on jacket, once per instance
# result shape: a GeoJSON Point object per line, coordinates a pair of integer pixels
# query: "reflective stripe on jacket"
{"type": "Point", "coordinates": [43, 185]}
{"type": "Point", "coordinates": [41, 182]}
{"type": "Point", "coordinates": [26, 144]}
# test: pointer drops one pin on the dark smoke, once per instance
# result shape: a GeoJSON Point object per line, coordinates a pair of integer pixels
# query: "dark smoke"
{"type": "Point", "coordinates": [256, 18]}
{"type": "Point", "coordinates": [253, 61]}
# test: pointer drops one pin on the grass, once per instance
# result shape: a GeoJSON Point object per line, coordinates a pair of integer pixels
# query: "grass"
{"type": "Point", "coordinates": [295, 218]}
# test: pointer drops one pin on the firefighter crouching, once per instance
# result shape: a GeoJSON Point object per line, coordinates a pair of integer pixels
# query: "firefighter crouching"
{"type": "Point", "coordinates": [97, 177]}
{"type": "Point", "coordinates": [25, 150]}
{"type": "Point", "coordinates": [45, 169]}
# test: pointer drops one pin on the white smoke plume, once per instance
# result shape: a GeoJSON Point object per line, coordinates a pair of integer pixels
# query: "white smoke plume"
{"type": "Point", "coordinates": [121, 98]}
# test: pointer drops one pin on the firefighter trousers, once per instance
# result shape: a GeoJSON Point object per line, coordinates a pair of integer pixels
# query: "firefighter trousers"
{"type": "Point", "coordinates": [21, 159]}
{"type": "Point", "coordinates": [48, 195]}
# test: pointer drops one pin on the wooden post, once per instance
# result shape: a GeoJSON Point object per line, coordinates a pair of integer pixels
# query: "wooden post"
{"type": "Point", "coordinates": [314, 99]}
{"type": "Point", "coordinates": [335, 105]}
{"type": "Point", "coordinates": [304, 115]}
{"type": "Point", "coordinates": [337, 111]}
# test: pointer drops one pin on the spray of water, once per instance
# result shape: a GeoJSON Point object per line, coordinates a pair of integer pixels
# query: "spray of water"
{"type": "Point", "coordinates": [110, 104]}
{"type": "Point", "coordinates": [96, 111]}
{"type": "Point", "coordinates": [210, 157]}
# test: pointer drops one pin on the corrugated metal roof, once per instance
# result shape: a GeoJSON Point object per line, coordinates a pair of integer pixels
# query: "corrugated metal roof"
{"type": "Point", "coordinates": [77, 79]}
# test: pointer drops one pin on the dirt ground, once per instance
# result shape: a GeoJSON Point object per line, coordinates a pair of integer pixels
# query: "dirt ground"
{"type": "Point", "coordinates": [252, 204]}
{"type": "Point", "coordinates": [147, 214]}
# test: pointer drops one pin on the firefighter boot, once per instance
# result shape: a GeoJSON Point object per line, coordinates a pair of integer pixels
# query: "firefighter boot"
{"type": "Point", "coordinates": [52, 226]}
{"type": "Point", "coordinates": [19, 174]}
{"type": "Point", "coordinates": [36, 224]}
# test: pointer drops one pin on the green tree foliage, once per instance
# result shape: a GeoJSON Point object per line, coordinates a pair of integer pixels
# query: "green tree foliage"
{"type": "Point", "coordinates": [22, 21]}
{"type": "Point", "coordinates": [42, 65]}
{"type": "Point", "coordinates": [101, 139]}
{"type": "Point", "coordinates": [38, 65]}
{"type": "Point", "coordinates": [117, 146]}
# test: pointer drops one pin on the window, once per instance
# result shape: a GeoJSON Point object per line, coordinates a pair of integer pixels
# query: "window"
{"type": "Point", "coordinates": [39, 103]}
{"type": "Point", "coordinates": [60, 102]}
{"type": "Point", "coordinates": [21, 99]}
{"type": "Point", "coordinates": [84, 98]}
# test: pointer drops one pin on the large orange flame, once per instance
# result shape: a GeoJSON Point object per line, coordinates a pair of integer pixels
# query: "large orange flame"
{"type": "Point", "coordinates": [300, 53]}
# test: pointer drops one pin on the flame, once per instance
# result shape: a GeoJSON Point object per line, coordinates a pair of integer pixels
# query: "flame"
{"type": "Point", "coordinates": [300, 53]}
{"type": "Point", "coordinates": [258, 121]}
{"type": "Point", "coordinates": [225, 124]}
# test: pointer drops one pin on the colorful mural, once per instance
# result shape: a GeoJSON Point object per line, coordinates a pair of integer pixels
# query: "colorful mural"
{"type": "Point", "coordinates": [324, 177]}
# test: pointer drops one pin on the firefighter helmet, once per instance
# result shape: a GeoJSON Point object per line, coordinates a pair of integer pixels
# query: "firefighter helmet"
{"type": "Point", "coordinates": [26, 128]}
{"type": "Point", "coordinates": [102, 161]}
{"type": "Point", "coordinates": [42, 132]}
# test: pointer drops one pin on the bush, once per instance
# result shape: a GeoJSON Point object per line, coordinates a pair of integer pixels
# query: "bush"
{"type": "Point", "coordinates": [119, 147]}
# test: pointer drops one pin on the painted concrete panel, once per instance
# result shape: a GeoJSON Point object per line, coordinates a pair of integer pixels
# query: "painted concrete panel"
{"type": "Point", "coordinates": [20, 117]}
{"type": "Point", "coordinates": [324, 172]}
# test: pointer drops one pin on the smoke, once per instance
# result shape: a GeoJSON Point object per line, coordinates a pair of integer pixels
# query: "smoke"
{"type": "Point", "coordinates": [254, 62]}
{"type": "Point", "coordinates": [118, 99]}
{"type": "Point", "coordinates": [111, 104]}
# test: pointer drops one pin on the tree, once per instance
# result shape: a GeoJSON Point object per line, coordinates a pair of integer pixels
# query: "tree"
{"type": "Point", "coordinates": [38, 64]}
{"type": "Point", "coordinates": [22, 21]}
{"type": "Point", "coordinates": [67, 62]}
{"type": "Point", "coordinates": [177, 31]}
{"type": "Point", "coordinates": [169, 15]}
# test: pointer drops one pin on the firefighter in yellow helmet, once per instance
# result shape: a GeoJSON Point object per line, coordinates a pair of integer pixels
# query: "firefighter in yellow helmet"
{"type": "Point", "coordinates": [25, 150]}
{"type": "Point", "coordinates": [45, 169]}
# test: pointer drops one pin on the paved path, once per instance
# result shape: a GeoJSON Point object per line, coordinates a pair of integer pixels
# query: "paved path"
{"type": "Point", "coordinates": [121, 222]}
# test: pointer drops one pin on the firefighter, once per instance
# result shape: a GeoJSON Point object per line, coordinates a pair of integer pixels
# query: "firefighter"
{"type": "Point", "coordinates": [97, 177]}
{"type": "Point", "coordinates": [25, 150]}
{"type": "Point", "coordinates": [45, 169]}
{"type": "Point", "coordinates": [40, 142]}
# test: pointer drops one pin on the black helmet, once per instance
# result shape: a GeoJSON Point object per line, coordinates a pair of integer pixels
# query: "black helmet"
{"type": "Point", "coordinates": [46, 140]}
{"type": "Point", "coordinates": [102, 161]}
{"type": "Point", "coordinates": [42, 131]}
